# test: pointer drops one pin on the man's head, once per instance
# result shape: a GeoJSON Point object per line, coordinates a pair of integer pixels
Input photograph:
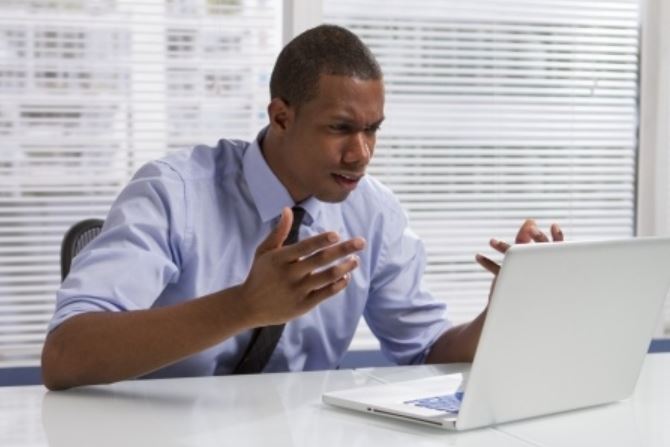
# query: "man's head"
{"type": "Point", "coordinates": [327, 105]}
{"type": "Point", "coordinates": [326, 49]}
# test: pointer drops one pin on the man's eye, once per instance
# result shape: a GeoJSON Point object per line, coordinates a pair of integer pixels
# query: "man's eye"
{"type": "Point", "coordinates": [339, 127]}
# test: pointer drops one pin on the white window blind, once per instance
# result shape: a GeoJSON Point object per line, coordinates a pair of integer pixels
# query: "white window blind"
{"type": "Point", "coordinates": [89, 91]}
{"type": "Point", "coordinates": [497, 111]}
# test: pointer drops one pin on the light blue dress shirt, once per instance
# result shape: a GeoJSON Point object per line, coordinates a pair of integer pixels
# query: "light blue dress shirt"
{"type": "Point", "coordinates": [188, 225]}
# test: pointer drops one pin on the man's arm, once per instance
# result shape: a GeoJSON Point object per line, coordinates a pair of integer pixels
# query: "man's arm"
{"type": "Point", "coordinates": [284, 282]}
{"type": "Point", "coordinates": [104, 347]}
{"type": "Point", "coordinates": [459, 343]}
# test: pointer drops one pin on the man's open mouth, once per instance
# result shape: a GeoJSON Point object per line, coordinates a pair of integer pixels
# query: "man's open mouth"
{"type": "Point", "coordinates": [347, 180]}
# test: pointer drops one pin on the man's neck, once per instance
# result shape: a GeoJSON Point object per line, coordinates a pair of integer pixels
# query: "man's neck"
{"type": "Point", "coordinates": [272, 149]}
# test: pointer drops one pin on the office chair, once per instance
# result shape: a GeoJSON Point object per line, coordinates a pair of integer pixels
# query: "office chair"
{"type": "Point", "coordinates": [75, 240]}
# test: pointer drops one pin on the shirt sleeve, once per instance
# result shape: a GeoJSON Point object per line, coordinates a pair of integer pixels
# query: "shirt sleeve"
{"type": "Point", "coordinates": [136, 255]}
{"type": "Point", "coordinates": [400, 311]}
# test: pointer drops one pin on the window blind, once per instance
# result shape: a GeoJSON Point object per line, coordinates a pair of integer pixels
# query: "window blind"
{"type": "Point", "coordinates": [89, 91]}
{"type": "Point", "coordinates": [498, 111]}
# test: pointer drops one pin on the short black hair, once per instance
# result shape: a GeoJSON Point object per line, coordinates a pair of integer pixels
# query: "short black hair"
{"type": "Point", "coordinates": [326, 49]}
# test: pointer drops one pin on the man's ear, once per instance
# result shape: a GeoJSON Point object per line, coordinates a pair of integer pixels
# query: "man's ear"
{"type": "Point", "coordinates": [281, 114]}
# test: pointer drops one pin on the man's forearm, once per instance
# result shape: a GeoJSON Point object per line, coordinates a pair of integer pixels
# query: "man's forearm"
{"type": "Point", "coordinates": [103, 347]}
{"type": "Point", "coordinates": [458, 343]}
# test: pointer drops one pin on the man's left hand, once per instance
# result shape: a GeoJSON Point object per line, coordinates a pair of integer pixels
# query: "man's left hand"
{"type": "Point", "coordinates": [529, 232]}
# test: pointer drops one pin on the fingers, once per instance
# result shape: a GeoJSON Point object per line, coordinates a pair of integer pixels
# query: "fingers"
{"type": "Point", "coordinates": [318, 295]}
{"type": "Point", "coordinates": [498, 245]}
{"type": "Point", "coordinates": [307, 264]}
{"type": "Point", "coordinates": [487, 264]}
{"type": "Point", "coordinates": [322, 285]}
{"type": "Point", "coordinates": [556, 233]}
{"type": "Point", "coordinates": [524, 234]}
{"type": "Point", "coordinates": [328, 255]}
{"type": "Point", "coordinates": [529, 231]}
{"type": "Point", "coordinates": [539, 236]}
{"type": "Point", "coordinates": [330, 275]}
{"type": "Point", "coordinates": [278, 235]}
{"type": "Point", "coordinates": [307, 246]}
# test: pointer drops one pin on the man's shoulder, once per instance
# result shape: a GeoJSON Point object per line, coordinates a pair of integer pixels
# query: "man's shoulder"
{"type": "Point", "coordinates": [206, 162]}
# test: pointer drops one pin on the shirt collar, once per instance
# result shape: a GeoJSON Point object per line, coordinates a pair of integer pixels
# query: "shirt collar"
{"type": "Point", "coordinates": [269, 194]}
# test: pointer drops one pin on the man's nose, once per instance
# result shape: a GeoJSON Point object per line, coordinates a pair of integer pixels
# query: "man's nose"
{"type": "Point", "coordinates": [359, 149]}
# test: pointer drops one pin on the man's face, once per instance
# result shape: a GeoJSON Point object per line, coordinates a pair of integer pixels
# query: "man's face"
{"type": "Point", "coordinates": [330, 140]}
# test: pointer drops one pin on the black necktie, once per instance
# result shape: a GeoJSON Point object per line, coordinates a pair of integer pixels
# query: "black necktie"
{"type": "Point", "coordinates": [265, 339]}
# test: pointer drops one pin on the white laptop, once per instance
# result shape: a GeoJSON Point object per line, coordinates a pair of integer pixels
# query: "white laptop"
{"type": "Point", "coordinates": [568, 327]}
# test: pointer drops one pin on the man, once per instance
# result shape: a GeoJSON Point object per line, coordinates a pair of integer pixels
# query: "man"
{"type": "Point", "coordinates": [191, 260]}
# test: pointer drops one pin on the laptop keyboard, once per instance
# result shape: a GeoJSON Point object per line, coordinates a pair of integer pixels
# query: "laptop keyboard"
{"type": "Point", "coordinates": [450, 403]}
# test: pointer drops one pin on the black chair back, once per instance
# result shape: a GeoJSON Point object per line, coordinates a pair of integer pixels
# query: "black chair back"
{"type": "Point", "coordinates": [76, 238]}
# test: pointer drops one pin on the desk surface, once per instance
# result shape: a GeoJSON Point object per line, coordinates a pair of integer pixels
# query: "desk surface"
{"type": "Point", "coordinates": [286, 410]}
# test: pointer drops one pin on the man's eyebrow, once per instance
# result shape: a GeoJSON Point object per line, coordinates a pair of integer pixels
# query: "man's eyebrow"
{"type": "Point", "coordinates": [378, 122]}
{"type": "Point", "coordinates": [350, 119]}
{"type": "Point", "coordinates": [352, 122]}
{"type": "Point", "coordinates": [343, 118]}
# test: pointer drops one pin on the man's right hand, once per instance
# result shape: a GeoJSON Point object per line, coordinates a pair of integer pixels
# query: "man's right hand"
{"type": "Point", "coordinates": [287, 281]}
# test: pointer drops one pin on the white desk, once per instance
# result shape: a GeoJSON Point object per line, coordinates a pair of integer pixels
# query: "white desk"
{"type": "Point", "coordinates": [286, 410]}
